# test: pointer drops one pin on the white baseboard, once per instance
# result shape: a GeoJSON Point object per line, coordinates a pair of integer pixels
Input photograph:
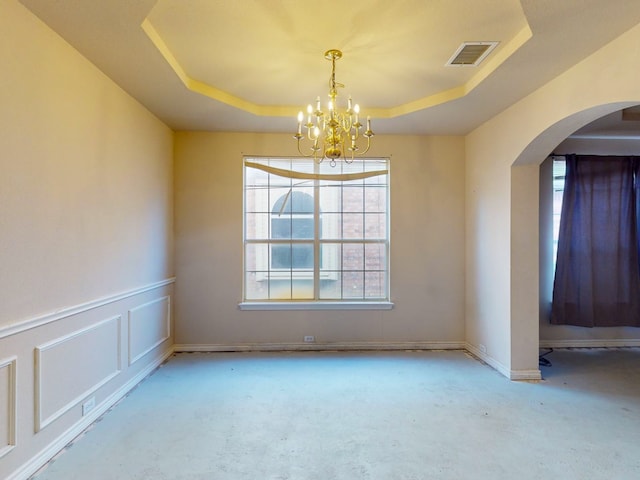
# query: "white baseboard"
{"type": "Point", "coordinates": [590, 343]}
{"type": "Point", "coordinates": [518, 375]}
{"type": "Point", "coordinates": [527, 375]}
{"type": "Point", "coordinates": [315, 347]}
{"type": "Point", "coordinates": [39, 460]}
{"type": "Point", "coordinates": [476, 352]}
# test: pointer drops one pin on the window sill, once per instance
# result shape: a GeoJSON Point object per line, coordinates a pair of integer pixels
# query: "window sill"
{"type": "Point", "coordinates": [315, 305]}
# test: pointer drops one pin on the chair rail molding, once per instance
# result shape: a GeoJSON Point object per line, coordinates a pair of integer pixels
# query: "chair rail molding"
{"type": "Point", "coordinates": [28, 324]}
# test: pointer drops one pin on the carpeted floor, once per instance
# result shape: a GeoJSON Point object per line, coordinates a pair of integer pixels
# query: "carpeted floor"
{"type": "Point", "coordinates": [388, 415]}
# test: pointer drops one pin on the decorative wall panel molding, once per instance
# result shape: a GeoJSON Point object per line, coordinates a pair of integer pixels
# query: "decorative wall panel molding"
{"type": "Point", "coordinates": [149, 326]}
{"type": "Point", "coordinates": [42, 457]}
{"type": "Point", "coordinates": [60, 314]}
{"type": "Point", "coordinates": [8, 405]}
{"type": "Point", "coordinates": [70, 368]}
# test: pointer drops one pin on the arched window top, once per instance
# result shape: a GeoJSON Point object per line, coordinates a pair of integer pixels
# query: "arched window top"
{"type": "Point", "coordinates": [294, 202]}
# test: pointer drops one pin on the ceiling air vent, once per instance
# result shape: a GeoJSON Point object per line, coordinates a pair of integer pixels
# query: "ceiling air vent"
{"type": "Point", "coordinates": [470, 54]}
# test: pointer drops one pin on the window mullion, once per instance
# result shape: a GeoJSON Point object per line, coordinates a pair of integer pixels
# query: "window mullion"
{"type": "Point", "coordinates": [364, 236]}
{"type": "Point", "coordinates": [341, 259]}
{"type": "Point", "coordinates": [316, 236]}
{"type": "Point", "coordinates": [269, 253]}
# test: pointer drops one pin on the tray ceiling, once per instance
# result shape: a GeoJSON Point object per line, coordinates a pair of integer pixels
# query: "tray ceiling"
{"type": "Point", "coordinates": [250, 65]}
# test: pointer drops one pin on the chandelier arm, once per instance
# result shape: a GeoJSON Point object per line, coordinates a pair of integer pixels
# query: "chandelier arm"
{"type": "Point", "coordinates": [368, 146]}
{"type": "Point", "coordinates": [349, 160]}
{"type": "Point", "coordinates": [312, 154]}
{"type": "Point", "coordinates": [346, 122]}
{"type": "Point", "coordinates": [309, 135]}
{"type": "Point", "coordinates": [356, 134]}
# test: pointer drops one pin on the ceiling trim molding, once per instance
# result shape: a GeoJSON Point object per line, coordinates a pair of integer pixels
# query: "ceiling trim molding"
{"type": "Point", "coordinates": [498, 57]}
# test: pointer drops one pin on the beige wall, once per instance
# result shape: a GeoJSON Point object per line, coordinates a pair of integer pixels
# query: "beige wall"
{"type": "Point", "coordinates": [487, 237]}
{"type": "Point", "coordinates": [427, 247]}
{"type": "Point", "coordinates": [502, 227]}
{"type": "Point", "coordinates": [85, 190]}
{"type": "Point", "coordinates": [86, 243]}
{"type": "Point", "coordinates": [86, 222]}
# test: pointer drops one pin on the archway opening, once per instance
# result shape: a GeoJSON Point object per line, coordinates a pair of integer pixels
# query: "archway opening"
{"type": "Point", "coordinates": [577, 132]}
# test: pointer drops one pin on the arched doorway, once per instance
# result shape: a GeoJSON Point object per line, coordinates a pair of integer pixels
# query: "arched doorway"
{"type": "Point", "coordinates": [528, 303]}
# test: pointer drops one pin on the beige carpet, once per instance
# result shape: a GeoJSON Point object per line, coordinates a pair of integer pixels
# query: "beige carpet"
{"type": "Point", "coordinates": [351, 416]}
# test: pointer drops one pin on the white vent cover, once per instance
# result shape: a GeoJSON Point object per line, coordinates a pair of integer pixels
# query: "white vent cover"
{"type": "Point", "coordinates": [470, 54]}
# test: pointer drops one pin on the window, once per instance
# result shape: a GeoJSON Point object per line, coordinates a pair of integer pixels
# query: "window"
{"type": "Point", "coordinates": [292, 218]}
{"type": "Point", "coordinates": [316, 233]}
{"type": "Point", "coordinates": [559, 172]}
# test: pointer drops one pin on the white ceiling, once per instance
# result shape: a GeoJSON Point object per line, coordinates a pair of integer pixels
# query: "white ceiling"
{"type": "Point", "coordinates": [250, 65]}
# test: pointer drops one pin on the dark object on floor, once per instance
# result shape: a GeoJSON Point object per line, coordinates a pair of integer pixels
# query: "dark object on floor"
{"type": "Point", "coordinates": [543, 362]}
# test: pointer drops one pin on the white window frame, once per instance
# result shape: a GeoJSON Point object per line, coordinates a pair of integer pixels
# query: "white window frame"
{"type": "Point", "coordinates": [265, 272]}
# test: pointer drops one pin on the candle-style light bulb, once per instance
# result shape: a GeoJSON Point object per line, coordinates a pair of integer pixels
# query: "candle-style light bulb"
{"type": "Point", "coordinates": [300, 118]}
{"type": "Point", "coordinates": [309, 112]}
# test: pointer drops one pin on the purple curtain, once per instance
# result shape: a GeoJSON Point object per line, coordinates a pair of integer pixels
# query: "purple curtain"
{"type": "Point", "coordinates": [636, 173]}
{"type": "Point", "coordinates": [597, 280]}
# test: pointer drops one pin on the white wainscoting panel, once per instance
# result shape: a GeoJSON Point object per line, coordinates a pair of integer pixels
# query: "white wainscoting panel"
{"type": "Point", "coordinates": [70, 368]}
{"type": "Point", "coordinates": [8, 405]}
{"type": "Point", "coordinates": [149, 326]}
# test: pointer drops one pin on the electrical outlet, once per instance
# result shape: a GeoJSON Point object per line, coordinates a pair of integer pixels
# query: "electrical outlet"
{"type": "Point", "coordinates": [88, 406]}
{"type": "Point", "coordinates": [309, 339]}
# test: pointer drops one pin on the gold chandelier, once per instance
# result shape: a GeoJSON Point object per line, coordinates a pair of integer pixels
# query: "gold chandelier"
{"type": "Point", "coordinates": [334, 133]}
